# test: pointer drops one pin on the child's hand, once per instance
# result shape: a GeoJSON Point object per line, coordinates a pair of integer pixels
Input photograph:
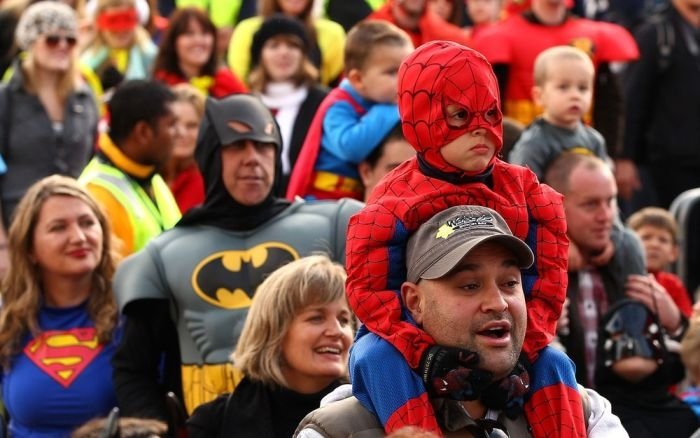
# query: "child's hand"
{"type": "Point", "coordinates": [646, 289]}
{"type": "Point", "coordinates": [603, 257]}
{"type": "Point", "coordinates": [450, 372]}
{"type": "Point", "coordinates": [576, 260]}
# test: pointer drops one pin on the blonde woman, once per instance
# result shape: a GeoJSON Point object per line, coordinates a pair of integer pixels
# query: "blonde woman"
{"type": "Point", "coordinates": [58, 318]}
{"type": "Point", "coordinates": [293, 351]}
{"type": "Point", "coordinates": [48, 118]}
{"type": "Point", "coordinates": [121, 48]}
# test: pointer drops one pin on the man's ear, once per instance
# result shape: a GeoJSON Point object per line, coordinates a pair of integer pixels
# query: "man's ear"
{"type": "Point", "coordinates": [365, 171]}
{"type": "Point", "coordinates": [412, 297]}
{"type": "Point", "coordinates": [537, 95]}
{"type": "Point", "coordinates": [142, 132]}
{"type": "Point", "coordinates": [355, 78]}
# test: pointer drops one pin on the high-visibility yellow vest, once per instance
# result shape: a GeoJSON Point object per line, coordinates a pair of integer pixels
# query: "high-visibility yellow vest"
{"type": "Point", "coordinates": [148, 219]}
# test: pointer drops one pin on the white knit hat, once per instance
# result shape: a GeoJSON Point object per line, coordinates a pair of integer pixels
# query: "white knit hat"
{"type": "Point", "coordinates": [42, 18]}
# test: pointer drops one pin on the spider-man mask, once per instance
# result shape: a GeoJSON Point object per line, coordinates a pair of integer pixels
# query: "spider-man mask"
{"type": "Point", "coordinates": [441, 74]}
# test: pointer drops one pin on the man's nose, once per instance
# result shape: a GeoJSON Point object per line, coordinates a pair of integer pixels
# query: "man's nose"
{"type": "Point", "coordinates": [493, 300]}
{"type": "Point", "coordinates": [606, 212]}
{"type": "Point", "coordinates": [250, 152]}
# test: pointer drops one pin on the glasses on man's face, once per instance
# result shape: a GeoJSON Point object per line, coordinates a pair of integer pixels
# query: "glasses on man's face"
{"type": "Point", "coordinates": [54, 40]}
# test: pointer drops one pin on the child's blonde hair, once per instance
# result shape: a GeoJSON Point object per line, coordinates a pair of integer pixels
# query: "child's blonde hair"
{"type": "Point", "coordinates": [366, 36]}
{"type": "Point", "coordinates": [558, 53]}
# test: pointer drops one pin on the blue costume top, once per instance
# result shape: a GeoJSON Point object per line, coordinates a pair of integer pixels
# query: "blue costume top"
{"type": "Point", "coordinates": [349, 137]}
{"type": "Point", "coordinates": [62, 378]}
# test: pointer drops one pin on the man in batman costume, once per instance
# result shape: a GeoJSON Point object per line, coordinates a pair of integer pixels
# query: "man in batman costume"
{"type": "Point", "coordinates": [186, 295]}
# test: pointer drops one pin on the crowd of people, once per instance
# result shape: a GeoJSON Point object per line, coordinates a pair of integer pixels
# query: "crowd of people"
{"type": "Point", "coordinates": [412, 218]}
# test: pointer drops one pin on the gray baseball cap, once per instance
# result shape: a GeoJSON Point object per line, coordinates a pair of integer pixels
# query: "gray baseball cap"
{"type": "Point", "coordinates": [443, 241]}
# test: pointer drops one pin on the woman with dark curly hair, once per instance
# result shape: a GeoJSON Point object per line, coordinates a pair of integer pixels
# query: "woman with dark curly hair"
{"type": "Point", "coordinates": [188, 54]}
{"type": "Point", "coordinates": [58, 322]}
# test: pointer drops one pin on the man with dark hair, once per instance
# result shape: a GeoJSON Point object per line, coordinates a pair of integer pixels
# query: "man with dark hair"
{"type": "Point", "coordinates": [123, 174]}
{"type": "Point", "coordinates": [186, 296]}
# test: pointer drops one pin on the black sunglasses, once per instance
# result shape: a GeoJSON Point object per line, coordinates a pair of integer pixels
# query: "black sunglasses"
{"type": "Point", "coordinates": [54, 40]}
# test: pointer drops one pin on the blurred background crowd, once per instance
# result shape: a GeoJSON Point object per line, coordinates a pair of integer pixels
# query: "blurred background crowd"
{"type": "Point", "coordinates": [103, 109]}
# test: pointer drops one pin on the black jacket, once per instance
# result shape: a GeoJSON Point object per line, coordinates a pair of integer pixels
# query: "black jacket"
{"type": "Point", "coordinates": [663, 103]}
{"type": "Point", "coordinates": [254, 410]}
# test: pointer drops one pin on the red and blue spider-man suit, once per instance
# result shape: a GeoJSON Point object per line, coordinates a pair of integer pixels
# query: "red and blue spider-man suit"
{"type": "Point", "coordinates": [438, 73]}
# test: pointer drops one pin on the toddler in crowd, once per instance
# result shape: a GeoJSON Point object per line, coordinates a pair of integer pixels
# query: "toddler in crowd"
{"type": "Point", "coordinates": [658, 231]}
{"type": "Point", "coordinates": [450, 113]}
{"type": "Point", "coordinates": [564, 89]}
{"type": "Point", "coordinates": [355, 117]}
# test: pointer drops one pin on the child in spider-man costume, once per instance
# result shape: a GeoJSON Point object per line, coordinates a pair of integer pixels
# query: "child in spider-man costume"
{"type": "Point", "coordinates": [450, 113]}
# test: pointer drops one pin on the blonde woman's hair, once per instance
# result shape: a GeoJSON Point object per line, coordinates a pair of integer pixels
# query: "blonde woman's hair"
{"type": "Point", "coordinates": [21, 288]}
{"type": "Point", "coordinates": [69, 82]}
{"type": "Point", "coordinates": [188, 93]}
{"type": "Point", "coordinates": [313, 280]}
{"type": "Point", "coordinates": [307, 74]}
{"type": "Point", "coordinates": [559, 53]}
{"type": "Point", "coordinates": [36, 21]}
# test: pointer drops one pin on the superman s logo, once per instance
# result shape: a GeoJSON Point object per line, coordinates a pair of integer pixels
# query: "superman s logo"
{"type": "Point", "coordinates": [63, 355]}
{"type": "Point", "coordinates": [228, 279]}
{"type": "Point", "coordinates": [584, 44]}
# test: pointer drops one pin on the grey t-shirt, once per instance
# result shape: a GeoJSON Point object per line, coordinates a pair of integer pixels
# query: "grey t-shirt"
{"type": "Point", "coordinates": [541, 142]}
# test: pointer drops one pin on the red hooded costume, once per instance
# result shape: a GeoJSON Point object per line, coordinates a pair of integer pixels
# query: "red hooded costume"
{"type": "Point", "coordinates": [435, 75]}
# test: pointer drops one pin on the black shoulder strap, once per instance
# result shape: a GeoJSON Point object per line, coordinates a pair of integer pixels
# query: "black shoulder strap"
{"type": "Point", "coordinates": [665, 38]}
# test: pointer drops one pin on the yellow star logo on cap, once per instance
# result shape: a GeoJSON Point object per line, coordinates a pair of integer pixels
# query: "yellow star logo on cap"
{"type": "Point", "coordinates": [444, 232]}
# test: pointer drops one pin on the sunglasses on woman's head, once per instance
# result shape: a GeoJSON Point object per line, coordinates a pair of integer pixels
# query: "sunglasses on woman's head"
{"type": "Point", "coordinates": [54, 40]}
